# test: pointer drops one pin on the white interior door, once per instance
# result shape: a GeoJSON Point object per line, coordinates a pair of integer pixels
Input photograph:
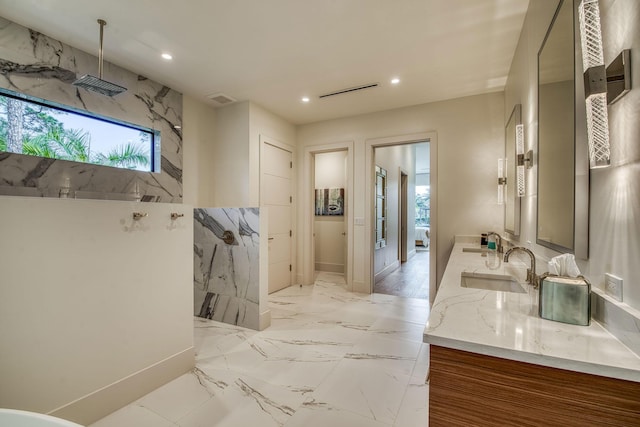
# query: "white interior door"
{"type": "Point", "coordinates": [276, 195]}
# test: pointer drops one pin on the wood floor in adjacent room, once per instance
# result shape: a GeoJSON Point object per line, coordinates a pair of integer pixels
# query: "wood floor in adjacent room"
{"type": "Point", "coordinates": [411, 280]}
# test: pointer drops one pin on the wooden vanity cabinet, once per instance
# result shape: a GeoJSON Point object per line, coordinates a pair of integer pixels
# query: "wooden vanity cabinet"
{"type": "Point", "coordinates": [470, 389]}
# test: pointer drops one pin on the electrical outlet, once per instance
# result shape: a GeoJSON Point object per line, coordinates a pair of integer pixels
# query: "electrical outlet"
{"type": "Point", "coordinates": [613, 286]}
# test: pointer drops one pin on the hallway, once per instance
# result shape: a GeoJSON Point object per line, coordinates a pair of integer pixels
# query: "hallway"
{"type": "Point", "coordinates": [411, 280]}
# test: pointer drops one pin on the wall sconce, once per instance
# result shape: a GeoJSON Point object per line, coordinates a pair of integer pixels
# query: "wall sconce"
{"type": "Point", "coordinates": [619, 77]}
{"type": "Point", "coordinates": [595, 84]}
{"type": "Point", "coordinates": [524, 160]}
{"type": "Point", "coordinates": [502, 180]}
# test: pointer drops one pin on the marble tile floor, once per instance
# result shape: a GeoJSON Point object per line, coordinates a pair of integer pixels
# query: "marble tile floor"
{"type": "Point", "coordinates": [330, 358]}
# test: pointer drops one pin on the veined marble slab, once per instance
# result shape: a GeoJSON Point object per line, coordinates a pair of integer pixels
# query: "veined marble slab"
{"type": "Point", "coordinates": [226, 275]}
{"type": "Point", "coordinates": [36, 65]}
{"type": "Point", "coordinates": [507, 325]}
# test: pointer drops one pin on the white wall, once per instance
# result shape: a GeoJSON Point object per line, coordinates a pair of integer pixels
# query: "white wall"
{"type": "Point", "coordinates": [392, 159]}
{"type": "Point", "coordinates": [614, 228]}
{"type": "Point", "coordinates": [235, 158]}
{"type": "Point", "coordinates": [266, 125]}
{"type": "Point", "coordinates": [330, 243]}
{"type": "Point", "coordinates": [470, 139]}
{"type": "Point", "coordinates": [230, 161]}
{"type": "Point", "coordinates": [96, 309]}
{"type": "Point", "coordinates": [198, 139]}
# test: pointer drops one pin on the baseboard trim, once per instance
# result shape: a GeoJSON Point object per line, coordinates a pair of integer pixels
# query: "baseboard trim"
{"type": "Point", "coordinates": [329, 267]}
{"type": "Point", "coordinates": [265, 320]}
{"type": "Point", "coordinates": [102, 402]}
{"type": "Point", "coordinates": [386, 271]}
{"type": "Point", "coordinates": [360, 287]}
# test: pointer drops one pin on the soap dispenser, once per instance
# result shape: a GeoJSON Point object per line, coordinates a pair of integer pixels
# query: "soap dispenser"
{"type": "Point", "coordinates": [491, 242]}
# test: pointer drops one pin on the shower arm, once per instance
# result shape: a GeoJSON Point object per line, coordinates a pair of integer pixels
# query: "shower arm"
{"type": "Point", "coordinates": [102, 23]}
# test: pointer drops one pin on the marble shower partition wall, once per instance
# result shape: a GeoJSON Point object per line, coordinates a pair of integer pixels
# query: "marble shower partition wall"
{"type": "Point", "coordinates": [226, 250]}
{"type": "Point", "coordinates": [39, 66]}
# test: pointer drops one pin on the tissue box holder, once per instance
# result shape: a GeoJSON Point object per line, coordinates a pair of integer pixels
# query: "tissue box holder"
{"type": "Point", "coordinates": [565, 299]}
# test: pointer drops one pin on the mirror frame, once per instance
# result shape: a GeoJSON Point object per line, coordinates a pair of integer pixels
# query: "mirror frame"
{"type": "Point", "coordinates": [511, 174]}
{"type": "Point", "coordinates": [381, 208]}
{"type": "Point", "coordinates": [581, 156]}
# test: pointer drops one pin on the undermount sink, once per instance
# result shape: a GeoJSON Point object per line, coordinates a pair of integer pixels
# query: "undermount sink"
{"type": "Point", "coordinates": [475, 250]}
{"type": "Point", "coordinates": [491, 282]}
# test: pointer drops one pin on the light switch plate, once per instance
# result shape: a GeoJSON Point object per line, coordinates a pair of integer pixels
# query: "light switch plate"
{"type": "Point", "coordinates": [358, 221]}
{"type": "Point", "coordinates": [613, 286]}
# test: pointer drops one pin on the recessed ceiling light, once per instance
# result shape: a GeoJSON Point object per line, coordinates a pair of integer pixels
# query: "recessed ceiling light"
{"type": "Point", "coordinates": [305, 99]}
{"type": "Point", "coordinates": [395, 81]}
{"type": "Point", "coordinates": [167, 56]}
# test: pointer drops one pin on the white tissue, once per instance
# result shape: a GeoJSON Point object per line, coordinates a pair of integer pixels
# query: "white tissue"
{"type": "Point", "coordinates": [564, 265]}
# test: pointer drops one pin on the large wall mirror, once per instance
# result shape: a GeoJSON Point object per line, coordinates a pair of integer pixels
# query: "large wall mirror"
{"type": "Point", "coordinates": [562, 212]}
{"type": "Point", "coordinates": [511, 199]}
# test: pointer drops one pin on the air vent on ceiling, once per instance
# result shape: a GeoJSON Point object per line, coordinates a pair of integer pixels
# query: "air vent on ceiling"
{"type": "Point", "coordinates": [221, 99]}
{"type": "Point", "coordinates": [349, 90]}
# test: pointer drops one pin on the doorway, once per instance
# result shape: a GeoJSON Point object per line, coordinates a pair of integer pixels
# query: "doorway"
{"type": "Point", "coordinates": [306, 256]}
{"type": "Point", "coordinates": [330, 212]}
{"type": "Point", "coordinates": [401, 266]}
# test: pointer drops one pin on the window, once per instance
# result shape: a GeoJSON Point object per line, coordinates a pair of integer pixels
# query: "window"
{"type": "Point", "coordinates": [423, 205]}
{"type": "Point", "coordinates": [41, 128]}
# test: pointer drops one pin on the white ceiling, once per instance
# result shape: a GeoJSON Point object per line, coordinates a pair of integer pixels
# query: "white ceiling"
{"type": "Point", "coordinates": [273, 52]}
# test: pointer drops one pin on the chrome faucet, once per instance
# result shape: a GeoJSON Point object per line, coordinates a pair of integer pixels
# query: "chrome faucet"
{"type": "Point", "coordinates": [499, 248]}
{"type": "Point", "coordinates": [532, 278]}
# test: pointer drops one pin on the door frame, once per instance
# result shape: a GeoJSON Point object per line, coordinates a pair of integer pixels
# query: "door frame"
{"type": "Point", "coordinates": [306, 276]}
{"type": "Point", "coordinates": [370, 144]}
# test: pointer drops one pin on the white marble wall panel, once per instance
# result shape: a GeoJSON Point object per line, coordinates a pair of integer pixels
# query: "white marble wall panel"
{"type": "Point", "coordinates": [39, 66]}
{"type": "Point", "coordinates": [226, 275]}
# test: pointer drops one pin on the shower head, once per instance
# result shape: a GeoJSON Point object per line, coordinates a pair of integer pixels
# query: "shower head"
{"type": "Point", "coordinates": [96, 84]}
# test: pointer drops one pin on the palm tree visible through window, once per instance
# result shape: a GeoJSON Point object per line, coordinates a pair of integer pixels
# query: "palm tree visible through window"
{"type": "Point", "coordinates": [36, 129]}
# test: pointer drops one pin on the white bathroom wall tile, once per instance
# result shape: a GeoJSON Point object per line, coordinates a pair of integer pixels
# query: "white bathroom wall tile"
{"type": "Point", "coordinates": [133, 416]}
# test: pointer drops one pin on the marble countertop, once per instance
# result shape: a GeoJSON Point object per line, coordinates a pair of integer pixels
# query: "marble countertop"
{"type": "Point", "coordinates": [507, 325]}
